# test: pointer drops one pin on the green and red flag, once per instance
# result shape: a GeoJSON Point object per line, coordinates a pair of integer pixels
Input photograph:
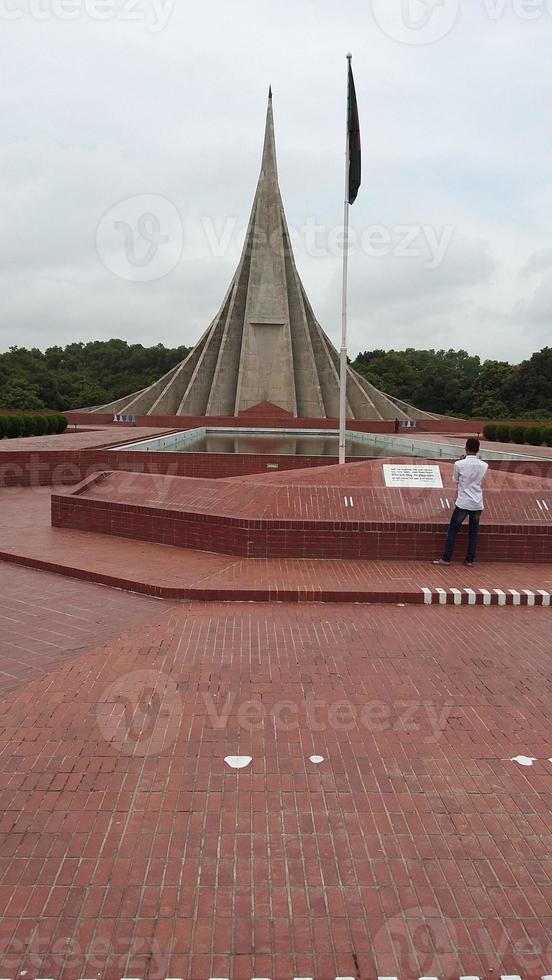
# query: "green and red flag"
{"type": "Point", "coordinates": [353, 130]}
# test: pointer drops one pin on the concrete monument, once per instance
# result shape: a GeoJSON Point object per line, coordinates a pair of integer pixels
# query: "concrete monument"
{"type": "Point", "coordinates": [265, 346]}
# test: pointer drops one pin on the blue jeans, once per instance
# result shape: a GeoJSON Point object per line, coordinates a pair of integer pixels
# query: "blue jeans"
{"type": "Point", "coordinates": [458, 518]}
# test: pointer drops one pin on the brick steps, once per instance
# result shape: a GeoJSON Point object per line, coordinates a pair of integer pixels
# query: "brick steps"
{"type": "Point", "coordinates": [237, 591]}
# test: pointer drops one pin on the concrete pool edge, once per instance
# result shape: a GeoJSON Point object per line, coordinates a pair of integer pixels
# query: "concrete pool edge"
{"type": "Point", "coordinates": [401, 445]}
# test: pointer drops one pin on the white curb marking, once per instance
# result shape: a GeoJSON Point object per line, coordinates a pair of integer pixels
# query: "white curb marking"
{"type": "Point", "coordinates": [238, 761]}
{"type": "Point", "coordinates": [524, 760]}
{"type": "Point", "coordinates": [468, 596]}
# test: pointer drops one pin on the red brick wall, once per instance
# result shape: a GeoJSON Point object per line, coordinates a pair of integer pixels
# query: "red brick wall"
{"type": "Point", "coordinates": [193, 422]}
{"type": "Point", "coordinates": [67, 468]}
{"type": "Point", "coordinates": [251, 538]}
{"type": "Point", "coordinates": [54, 467]}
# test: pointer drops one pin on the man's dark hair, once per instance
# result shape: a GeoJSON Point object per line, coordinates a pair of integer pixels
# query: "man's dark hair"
{"type": "Point", "coordinates": [473, 444]}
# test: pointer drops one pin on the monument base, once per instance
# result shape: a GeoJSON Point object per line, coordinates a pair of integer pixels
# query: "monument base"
{"type": "Point", "coordinates": [292, 516]}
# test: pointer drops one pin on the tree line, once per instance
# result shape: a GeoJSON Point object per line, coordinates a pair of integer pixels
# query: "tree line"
{"type": "Point", "coordinates": [81, 375]}
{"type": "Point", "coordinates": [453, 382]}
{"type": "Point", "coordinates": [446, 382]}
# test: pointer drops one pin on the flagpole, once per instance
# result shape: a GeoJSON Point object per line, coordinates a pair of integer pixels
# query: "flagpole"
{"type": "Point", "coordinates": [343, 351]}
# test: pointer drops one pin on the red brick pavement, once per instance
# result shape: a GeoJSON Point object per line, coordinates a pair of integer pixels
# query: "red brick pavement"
{"type": "Point", "coordinates": [80, 438]}
{"type": "Point", "coordinates": [45, 619]}
{"type": "Point", "coordinates": [417, 848]}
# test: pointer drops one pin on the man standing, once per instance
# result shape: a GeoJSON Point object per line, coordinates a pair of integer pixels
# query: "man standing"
{"type": "Point", "coordinates": [469, 474]}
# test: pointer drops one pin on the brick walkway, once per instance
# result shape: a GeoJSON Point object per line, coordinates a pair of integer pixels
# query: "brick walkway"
{"type": "Point", "coordinates": [80, 439]}
{"type": "Point", "coordinates": [130, 848]}
{"type": "Point", "coordinates": [45, 619]}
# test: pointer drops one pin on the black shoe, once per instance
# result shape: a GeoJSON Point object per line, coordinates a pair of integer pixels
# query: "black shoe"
{"type": "Point", "coordinates": [440, 561]}
{"type": "Point", "coordinates": [468, 563]}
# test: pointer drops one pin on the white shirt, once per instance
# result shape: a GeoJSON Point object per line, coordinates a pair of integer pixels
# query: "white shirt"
{"type": "Point", "coordinates": [469, 474]}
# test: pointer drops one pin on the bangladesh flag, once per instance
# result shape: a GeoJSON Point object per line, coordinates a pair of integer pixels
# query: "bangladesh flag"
{"type": "Point", "coordinates": [353, 129]}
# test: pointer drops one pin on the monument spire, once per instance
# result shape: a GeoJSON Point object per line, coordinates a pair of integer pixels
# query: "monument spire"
{"type": "Point", "coordinates": [268, 164]}
{"type": "Point", "coordinates": [264, 346]}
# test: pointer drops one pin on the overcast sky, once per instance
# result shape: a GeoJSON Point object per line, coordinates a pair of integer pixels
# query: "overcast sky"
{"type": "Point", "coordinates": [131, 143]}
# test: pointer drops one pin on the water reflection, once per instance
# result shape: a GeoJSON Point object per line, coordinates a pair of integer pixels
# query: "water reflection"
{"type": "Point", "coordinates": [286, 445]}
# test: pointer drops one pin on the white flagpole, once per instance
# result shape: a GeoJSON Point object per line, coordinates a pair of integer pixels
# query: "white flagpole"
{"type": "Point", "coordinates": [343, 351]}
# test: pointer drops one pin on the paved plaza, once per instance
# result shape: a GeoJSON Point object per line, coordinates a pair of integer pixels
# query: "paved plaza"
{"type": "Point", "coordinates": [413, 845]}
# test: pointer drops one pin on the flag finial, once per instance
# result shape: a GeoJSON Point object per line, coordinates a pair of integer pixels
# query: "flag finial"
{"type": "Point", "coordinates": [349, 56]}
{"type": "Point", "coordinates": [270, 92]}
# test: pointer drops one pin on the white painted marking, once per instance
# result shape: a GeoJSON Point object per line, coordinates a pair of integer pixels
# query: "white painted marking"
{"type": "Point", "coordinates": [540, 505]}
{"type": "Point", "coordinates": [486, 597]}
{"type": "Point", "coordinates": [530, 597]}
{"type": "Point", "coordinates": [238, 761]}
{"type": "Point", "coordinates": [351, 499]}
{"type": "Point", "coordinates": [428, 596]}
{"type": "Point", "coordinates": [501, 597]}
{"type": "Point", "coordinates": [448, 501]}
{"type": "Point", "coordinates": [429, 978]}
{"type": "Point", "coordinates": [511, 977]}
{"type": "Point", "coordinates": [442, 502]}
{"type": "Point", "coordinates": [545, 597]}
{"type": "Point", "coordinates": [524, 760]}
{"type": "Point", "coordinates": [469, 978]}
{"type": "Point", "coordinates": [457, 597]}
{"type": "Point", "coordinates": [346, 501]}
{"type": "Point", "coordinates": [317, 759]}
{"type": "Point", "coordinates": [442, 596]}
{"type": "Point", "coordinates": [517, 597]}
{"type": "Point", "coordinates": [545, 505]}
{"type": "Point", "coordinates": [471, 596]}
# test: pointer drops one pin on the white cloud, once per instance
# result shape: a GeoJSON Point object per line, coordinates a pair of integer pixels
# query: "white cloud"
{"type": "Point", "coordinates": [455, 134]}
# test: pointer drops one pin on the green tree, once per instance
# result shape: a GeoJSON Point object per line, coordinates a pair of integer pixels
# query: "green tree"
{"type": "Point", "coordinates": [20, 393]}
